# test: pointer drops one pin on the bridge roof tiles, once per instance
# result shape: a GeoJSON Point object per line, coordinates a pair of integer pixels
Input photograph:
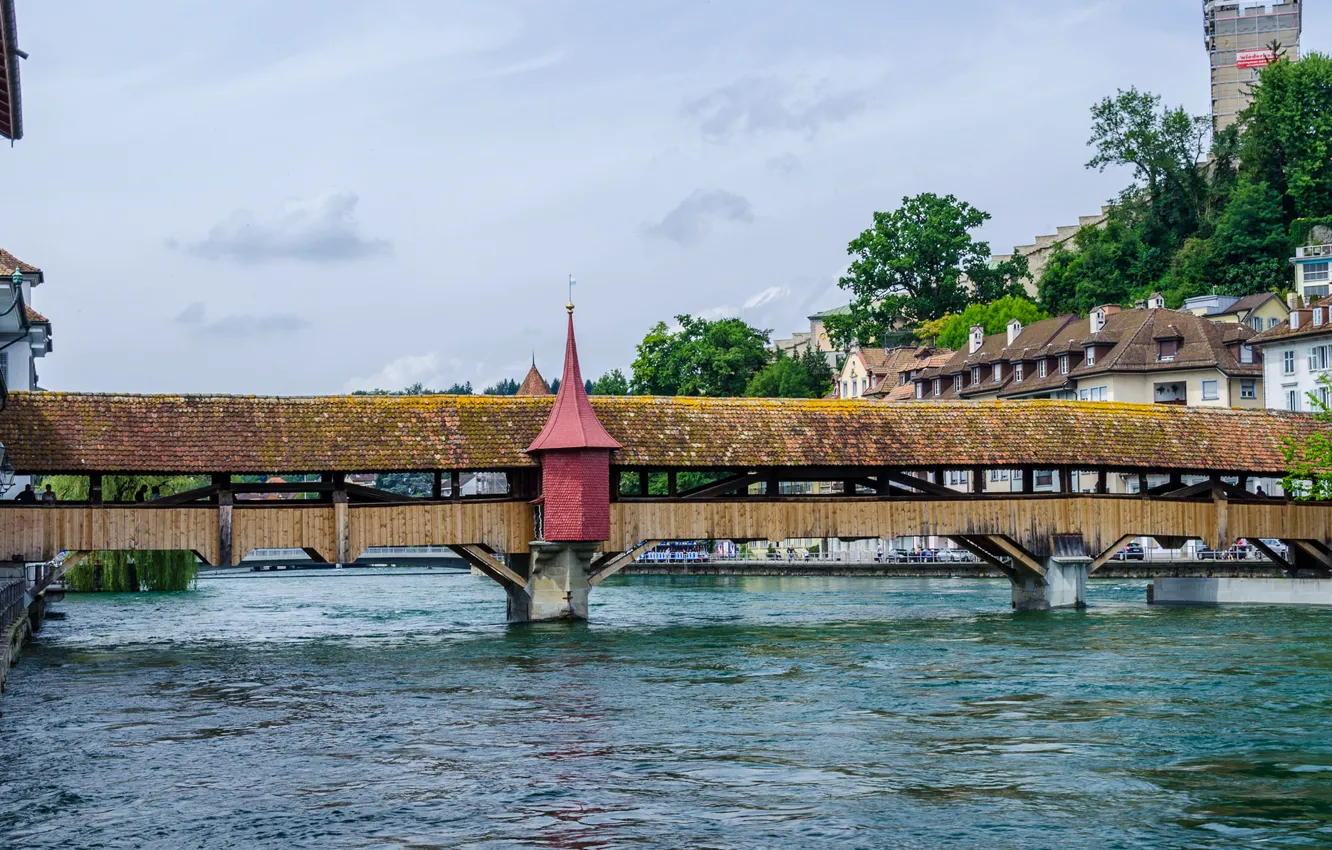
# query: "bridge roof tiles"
{"type": "Point", "coordinates": [70, 433]}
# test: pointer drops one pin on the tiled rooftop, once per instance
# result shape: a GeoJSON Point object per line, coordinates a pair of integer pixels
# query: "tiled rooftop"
{"type": "Point", "coordinates": [65, 432]}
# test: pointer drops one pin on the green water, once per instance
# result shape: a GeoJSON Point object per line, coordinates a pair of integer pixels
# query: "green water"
{"type": "Point", "coordinates": [350, 709]}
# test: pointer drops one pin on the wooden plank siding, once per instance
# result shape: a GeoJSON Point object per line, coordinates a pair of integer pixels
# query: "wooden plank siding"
{"type": "Point", "coordinates": [503, 526]}
{"type": "Point", "coordinates": [1030, 520]}
{"type": "Point", "coordinates": [39, 533]}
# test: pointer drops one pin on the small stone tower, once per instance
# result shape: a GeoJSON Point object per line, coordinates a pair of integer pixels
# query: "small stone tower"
{"type": "Point", "coordinates": [574, 450]}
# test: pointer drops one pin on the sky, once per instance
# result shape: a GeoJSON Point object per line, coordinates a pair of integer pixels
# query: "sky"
{"type": "Point", "coordinates": [317, 196]}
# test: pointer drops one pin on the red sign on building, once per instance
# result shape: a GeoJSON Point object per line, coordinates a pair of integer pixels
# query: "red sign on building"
{"type": "Point", "coordinates": [1254, 58]}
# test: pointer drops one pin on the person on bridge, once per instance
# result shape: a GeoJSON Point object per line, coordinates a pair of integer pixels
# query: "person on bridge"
{"type": "Point", "coordinates": [49, 496]}
{"type": "Point", "coordinates": [142, 493]}
{"type": "Point", "coordinates": [27, 497]}
{"type": "Point", "coordinates": [1259, 492]}
{"type": "Point", "coordinates": [155, 494]}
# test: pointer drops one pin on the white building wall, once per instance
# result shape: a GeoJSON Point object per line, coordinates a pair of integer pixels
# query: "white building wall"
{"type": "Point", "coordinates": [1279, 382]}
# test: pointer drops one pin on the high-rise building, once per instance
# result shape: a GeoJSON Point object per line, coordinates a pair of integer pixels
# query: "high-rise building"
{"type": "Point", "coordinates": [1239, 35]}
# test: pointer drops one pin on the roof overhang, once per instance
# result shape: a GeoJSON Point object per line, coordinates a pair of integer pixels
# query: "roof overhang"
{"type": "Point", "coordinates": [11, 102]}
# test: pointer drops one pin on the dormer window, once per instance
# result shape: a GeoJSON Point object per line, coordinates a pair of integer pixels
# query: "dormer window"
{"type": "Point", "coordinates": [957, 383]}
{"type": "Point", "coordinates": [1017, 373]}
{"type": "Point", "coordinates": [938, 385]}
{"type": "Point", "coordinates": [1317, 315]}
{"type": "Point", "coordinates": [1063, 364]}
{"type": "Point", "coordinates": [1167, 350]}
{"type": "Point", "coordinates": [920, 390]}
{"type": "Point", "coordinates": [1041, 367]}
{"type": "Point", "coordinates": [1091, 355]}
{"type": "Point", "coordinates": [998, 373]}
{"type": "Point", "coordinates": [1246, 353]}
{"type": "Point", "coordinates": [975, 375]}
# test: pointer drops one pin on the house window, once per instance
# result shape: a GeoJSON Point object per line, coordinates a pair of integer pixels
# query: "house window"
{"type": "Point", "coordinates": [1256, 322]}
{"type": "Point", "coordinates": [1288, 363]}
{"type": "Point", "coordinates": [957, 384]}
{"type": "Point", "coordinates": [4, 368]}
{"type": "Point", "coordinates": [1318, 358]}
{"type": "Point", "coordinates": [975, 375]}
{"type": "Point", "coordinates": [1017, 373]}
{"type": "Point", "coordinates": [1293, 400]}
{"type": "Point", "coordinates": [846, 390]}
{"type": "Point", "coordinates": [1094, 394]}
{"type": "Point", "coordinates": [1248, 388]}
{"type": "Point", "coordinates": [1063, 364]}
{"type": "Point", "coordinates": [920, 390]}
{"type": "Point", "coordinates": [1246, 353]}
{"type": "Point", "coordinates": [1271, 323]}
{"type": "Point", "coordinates": [1318, 315]}
{"type": "Point", "coordinates": [1211, 390]}
{"type": "Point", "coordinates": [998, 373]}
{"type": "Point", "coordinates": [1091, 356]}
{"type": "Point", "coordinates": [1315, 271]}
{"type": "Point", "coordinates": [1167, 350]}
{"type": "Point", "coordinates": [1319, 291]}
{"type": "Point", "coordinates": [994, 475]}
{"type": "Point", "coordinates": [1323, 397]}
{"type": "Point", "coordinates": [1044, 478]}
{"type": "Point", "coordinates": [1040, 367]}
{"type": "Point", "coordinates": [938, 385]}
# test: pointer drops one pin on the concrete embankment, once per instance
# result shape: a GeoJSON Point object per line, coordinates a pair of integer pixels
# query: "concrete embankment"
{"type": "Point", "coordinates": [1120, 569]}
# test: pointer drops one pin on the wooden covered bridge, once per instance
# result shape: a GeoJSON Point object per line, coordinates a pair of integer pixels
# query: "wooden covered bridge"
{"type": "Point", "coordinates": [593, 481]}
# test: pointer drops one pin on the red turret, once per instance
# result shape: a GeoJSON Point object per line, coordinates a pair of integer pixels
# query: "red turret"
{"type": "Point", "coordinates": [574, 450]}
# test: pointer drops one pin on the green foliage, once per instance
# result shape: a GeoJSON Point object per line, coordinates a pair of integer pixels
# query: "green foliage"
{"type": "Point", "coordinates": [121, 488]}
{"type": "Point", "coordinates": [806, 376]}
{"type": "Point", "coordinates": [1286, 132]}
{"type": "Point", "coordinates": [418, 485]}
{"type": "Point", "coordinates": [612, 383]}
{"type": "Point", "coordinates": [508, 386]}
{"type": "Point", "coordinates": [1309, 462]}
{"type": "Point", "coordinates": [420, 389]}
{"type": "Point", "coordinates": [659, 485]}
{"type": "Point", "coordinates": [909, 268]}
{"type": "Point", "coordinates": [701, 357]}
{"type": "Point", "coordinates": [995, 316]}
{"type": "Point", "coordinates": [1107, 266]}
{"type": "Point", "coordinates": [133, 571]}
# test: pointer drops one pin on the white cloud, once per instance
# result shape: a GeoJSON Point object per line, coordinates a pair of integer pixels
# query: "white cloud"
{"type": "Point", "coordinates": [693, 217]}
{"type": "Point", "coordinates": [318, 229]}
{"type": "Point", "coordinates": [396, 374]}
{"type": "Point", "coordinates": [767, 296]}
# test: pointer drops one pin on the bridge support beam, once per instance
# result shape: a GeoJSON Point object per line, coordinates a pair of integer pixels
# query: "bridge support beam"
{"type": "Point", "coordinates": [557, 584]}
{"type": "Point", "coordinates": [1064, 585]}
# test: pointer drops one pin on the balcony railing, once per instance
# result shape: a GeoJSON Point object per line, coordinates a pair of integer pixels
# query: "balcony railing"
{"type": "Point", "coordinates": [1313, 251]}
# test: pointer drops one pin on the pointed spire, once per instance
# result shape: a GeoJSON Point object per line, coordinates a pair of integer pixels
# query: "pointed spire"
{"type": "Point", "coordinates": [533, 384]}
{"type": "Point", "coordinates": [572, 423]}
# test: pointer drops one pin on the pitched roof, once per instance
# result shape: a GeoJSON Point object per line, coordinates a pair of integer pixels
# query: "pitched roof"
{"type": "Point", "coordinates": [8, 262]}
{"type": "Point", "coordinates": [1307, 328]}
{"type": "Point", "coordinates": [34, 316]}
{"type": "Point", "coordinates": [533, 384]}
{"type": "Point", "coordinates": [1246, 304]}
{"type": "Point", "coordinates": [11, 98]}
{"type": "Point", "coordinates": [1136, 334]}
{"type": "Point", "coordinates": [572, 423]}
{"type": "Point", "coordinates": [73, 433]}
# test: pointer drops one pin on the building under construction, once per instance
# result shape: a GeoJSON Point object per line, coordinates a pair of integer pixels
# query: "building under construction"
{"type": "Point", "coordinates": [1240, 35]}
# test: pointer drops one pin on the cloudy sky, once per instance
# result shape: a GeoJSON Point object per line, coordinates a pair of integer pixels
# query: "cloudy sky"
{"type": "Point", "coordinates": [318, 195]}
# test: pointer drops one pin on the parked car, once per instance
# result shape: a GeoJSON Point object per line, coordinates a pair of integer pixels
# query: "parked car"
{"type": "Point", "coordinates": [1131, 552]}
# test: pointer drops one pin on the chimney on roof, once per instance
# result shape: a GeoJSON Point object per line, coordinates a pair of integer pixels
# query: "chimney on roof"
{"type": "Point", "coordinates": [1292, 300]}
{"type": "Point", "coordinates": [1156, 301]}
{"type": "Point", "coordinates": [1014, 328]}
{"type": "Point", "coordinates": [977, 338]}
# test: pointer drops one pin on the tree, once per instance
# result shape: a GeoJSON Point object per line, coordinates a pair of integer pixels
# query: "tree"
{"type": "Point", "coordinates": [1108, 265]}
{"type": "Point", "coordinates": [995, 316]}
{"type": "Point", "coordinates": [1285, 133]}
{"type": "Point", "coordinates": [700, 357]}
{"type": "Point", "coordinates": [806, 376]}
{"type": "Point", "coordinates": [508, 386]}
{"type": "Point", "coordinates": [910, 266]}
{"type": "Point", "coordinates": [418, 388]}
{"type": "Point", "coordinates": [1309, 462]}
{"type": "Point", "coordinates": [612, 383]}
{"type": "Point", "coordinates": [1251, 245]}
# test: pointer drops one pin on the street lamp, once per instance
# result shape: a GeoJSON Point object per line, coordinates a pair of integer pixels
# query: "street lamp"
{"type": "Point", "coordinates": [6, 470]}
{"type": "Point", "coordinates": [17, 277]}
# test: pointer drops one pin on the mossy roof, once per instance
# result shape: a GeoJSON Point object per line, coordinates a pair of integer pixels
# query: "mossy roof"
{"type": "Point", "coordinates": [70, 432]}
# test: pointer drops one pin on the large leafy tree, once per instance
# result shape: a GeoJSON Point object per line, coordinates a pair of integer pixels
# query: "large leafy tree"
{"type": "Point", "coordinates": [1286, 137]}
{"type": "Point", "coordinates": [612, 383]}
{"type": "Point", "coordinates": [994, 316]}
{"type": "Point", "coordinates": [806, 376]}
{"type": "Point", "coordinates": [919, 262]}
{"type": "Point", "coordinates": [699, 357]}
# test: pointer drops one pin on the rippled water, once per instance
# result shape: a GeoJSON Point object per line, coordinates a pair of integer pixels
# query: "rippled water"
{"type": "Point", "coordinates": [349, 709]}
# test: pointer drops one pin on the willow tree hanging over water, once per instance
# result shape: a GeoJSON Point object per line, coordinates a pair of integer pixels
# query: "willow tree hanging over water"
{"type": "Point", "coordinates": [129, 571]}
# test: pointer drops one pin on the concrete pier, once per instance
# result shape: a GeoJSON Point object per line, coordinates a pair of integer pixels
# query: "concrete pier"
{"type": "Point", "coordinates": [1240, 591]}
{"type": "Point", "coordinates": [557, 585]}
{"type": "Point", "coordinates": [1064, 585]}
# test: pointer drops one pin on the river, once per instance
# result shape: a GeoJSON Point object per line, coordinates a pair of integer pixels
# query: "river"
{"type": "Point", "coordinates": [359, 709]}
